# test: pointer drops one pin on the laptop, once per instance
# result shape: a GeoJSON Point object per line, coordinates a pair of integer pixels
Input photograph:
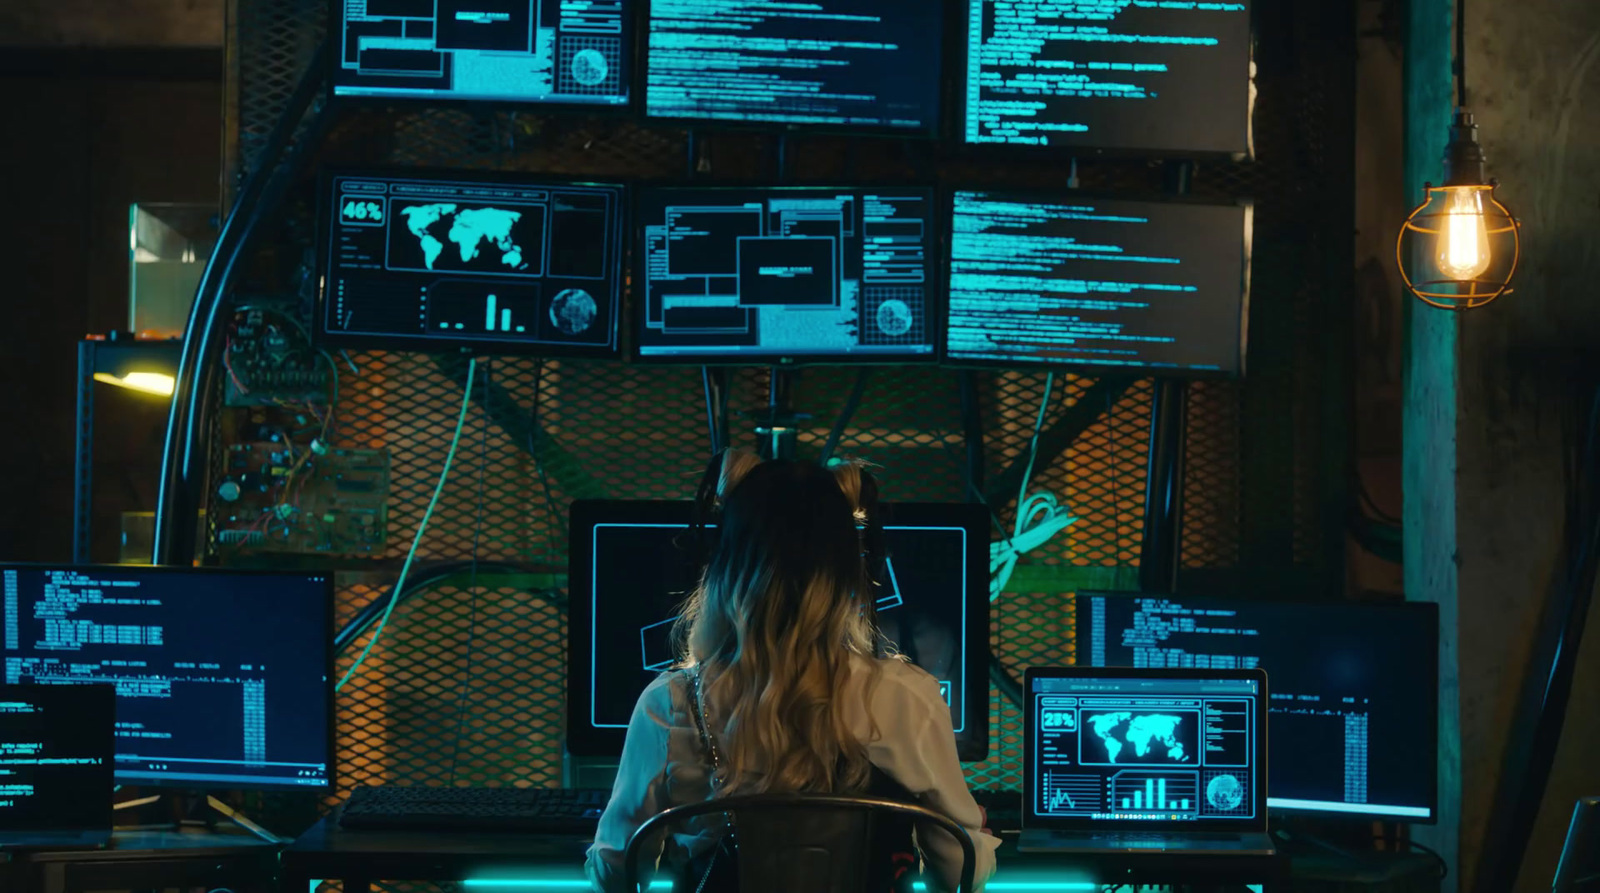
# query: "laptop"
{"type": "Point", "coordinates": [1142, 760]}
{"type": "Point", "coordinates": [56, 766]}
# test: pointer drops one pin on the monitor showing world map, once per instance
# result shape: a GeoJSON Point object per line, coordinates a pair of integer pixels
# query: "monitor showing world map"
{"type": "Point", "coordinates": [1152, 747]}
{"type": "Point", "coordinates": [489, 262]}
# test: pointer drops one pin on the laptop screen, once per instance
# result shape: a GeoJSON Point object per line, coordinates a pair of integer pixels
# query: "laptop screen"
{"type": "Point", "coordinates": [1165, 748]}
{"type": "Point", "coordinates": [55, 757]}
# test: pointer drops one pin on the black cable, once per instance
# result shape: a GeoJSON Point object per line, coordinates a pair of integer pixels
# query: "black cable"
{"type": "Point", "coordinates": [711, 409]}
{"type": "Point", "coordinates": [846, 414]}
{"type": "Point", "coordinates": [472, 582]}
{"type": "Point", "coordinates": [1461, 53]}
{"type": "Point", "coordinates": [1444, 867]}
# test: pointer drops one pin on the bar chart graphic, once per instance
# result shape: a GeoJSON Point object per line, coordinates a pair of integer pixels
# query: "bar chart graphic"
{"type": "Point", "coordinates": [486, 309]}
{"type": "Point", "coordinates": [1145, 791]}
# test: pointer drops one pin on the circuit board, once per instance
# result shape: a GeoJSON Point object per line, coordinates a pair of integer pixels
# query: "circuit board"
{"type": "Point", "coordinates": [309, 499]}
{"type": "Point", "coordinates": [270, 361]}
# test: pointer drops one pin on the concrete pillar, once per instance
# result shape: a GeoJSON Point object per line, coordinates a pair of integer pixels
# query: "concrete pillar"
{"type": "Point", "coordinates": [1429, 467]}
{"type": "Point", "coordinates": [1493, 398]}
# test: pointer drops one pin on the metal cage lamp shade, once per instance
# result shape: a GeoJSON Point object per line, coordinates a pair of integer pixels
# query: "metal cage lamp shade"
{"type": "Point", "coordinates": [1460, 248]}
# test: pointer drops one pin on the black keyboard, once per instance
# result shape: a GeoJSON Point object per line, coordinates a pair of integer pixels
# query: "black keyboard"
{"type": "Point", "coordinates": [515, 810]}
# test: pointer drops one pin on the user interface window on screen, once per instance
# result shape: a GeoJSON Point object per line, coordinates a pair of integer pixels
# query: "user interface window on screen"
{"type": "Point", "coordinates": [1175, 750]}
{"type": "Point", "coordinates": [1353, 709]}
{"type": "Point", "coordinates": [1109, 74]}
{"type": "Point", "coordinates": [833, 63]}
{"type": "Point", "coordinates": [738, 274]}
{"type": "Point", "coordinates": [523, 265]}
{"type": "Point", "coordinates": [1089, 282]}
{"type": "Point", "coordinates": [221, 679]}
{"type": "Point", "coordinates": [545, 51]}
{"type": "Point", "coordinates": [641, 574]}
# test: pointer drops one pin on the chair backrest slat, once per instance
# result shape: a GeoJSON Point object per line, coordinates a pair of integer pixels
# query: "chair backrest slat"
{"type": "Point", "coordinates": [801, 842]}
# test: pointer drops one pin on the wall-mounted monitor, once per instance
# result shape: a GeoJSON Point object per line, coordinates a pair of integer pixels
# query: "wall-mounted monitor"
{"type": "Point", "coordinates": [831, 64]}
{"type": "Point", "coordinates": [786, 275]}
{"type": "Point", "coordinates": [1157, 78]}
{"type": "Point", "coordinates": [541, 52]}
{"type": "Point", "coordinates": [481, 261]}
{"type": "Point", "coordinates": [1077, 282]}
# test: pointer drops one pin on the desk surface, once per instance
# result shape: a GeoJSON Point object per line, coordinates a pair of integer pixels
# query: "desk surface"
{"type": "Point", "coordinates": [326, 852]}
{"type": "Point", "coordinates": [161, 843]}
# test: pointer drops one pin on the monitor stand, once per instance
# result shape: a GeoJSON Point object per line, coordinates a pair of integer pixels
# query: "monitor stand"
{"type": "Point", "coordinates": [216, 807]}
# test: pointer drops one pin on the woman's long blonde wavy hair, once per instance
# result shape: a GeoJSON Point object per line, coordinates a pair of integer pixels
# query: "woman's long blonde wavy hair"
{"type": "Point", "coordinates": [783, 607]}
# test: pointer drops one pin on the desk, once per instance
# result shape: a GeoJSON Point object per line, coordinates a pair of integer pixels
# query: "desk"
{"type": "Point", "coordinates": [551, 863]}
{"type": "Point", "coordinates": [149, 860]}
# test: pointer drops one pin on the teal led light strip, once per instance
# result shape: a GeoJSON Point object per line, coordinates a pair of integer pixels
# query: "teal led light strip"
{"type": "Point", "coordinates": [575, 884]}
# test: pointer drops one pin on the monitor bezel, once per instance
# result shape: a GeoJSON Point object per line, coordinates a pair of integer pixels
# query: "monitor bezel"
{"type": "Point", "coordinates": [1259, 789]}
{"type": "Point", "coordinates": [412, 103]}
{"type": "Point", "coordinates": [930, 133]}
{"type": "Point", "coordinates": [937, 282]}
{"type": "Point", "coordinates": [584, 740]}
{"type": "Point", "coordinates": [947, 273]}
{"type": "Point", "coordinates": [323, 337]}
{"type": "Point", "coordinates": [329, 667]}
{"type": "Point", "coordinates": [1430, 609]}
{"type": "Point", "coordinates": [957, 132]}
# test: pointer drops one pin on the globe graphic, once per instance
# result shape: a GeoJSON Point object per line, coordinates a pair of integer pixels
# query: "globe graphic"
{"type": "Point", "coordinates": [573, 311]}
{"type": "Point", "coordinates": [589, 67]}
{"type": "Point", "coordinates": [1224, 793]}
{"type": "Point", "coordinates": [894, 318]}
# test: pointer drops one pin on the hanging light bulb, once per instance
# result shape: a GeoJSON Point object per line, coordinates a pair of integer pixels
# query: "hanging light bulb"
{"type": "Point", "coordinates": [1459, 249]}
{"type": "Point", "coordinates": [1463, 249]}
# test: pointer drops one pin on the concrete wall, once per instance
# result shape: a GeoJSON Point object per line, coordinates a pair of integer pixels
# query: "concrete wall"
{"type": "Point", "coordinates": [111, 23]}
{"type": "Point", "coordinates": [1533, 67]}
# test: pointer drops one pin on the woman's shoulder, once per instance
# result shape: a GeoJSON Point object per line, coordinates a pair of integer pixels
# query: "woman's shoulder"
{"type": "Point", "coordinates": [901, 681]}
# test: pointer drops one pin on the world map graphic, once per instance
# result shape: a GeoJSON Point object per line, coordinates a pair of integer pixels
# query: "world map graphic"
{"type": "Point", "coordinates": [469, 230]}
{"type": "Point", "coordinates": [1141, 732]}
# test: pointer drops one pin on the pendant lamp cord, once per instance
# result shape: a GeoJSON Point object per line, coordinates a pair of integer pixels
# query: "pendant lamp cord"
{"type": "Point", "coordinates": [1461, 53]}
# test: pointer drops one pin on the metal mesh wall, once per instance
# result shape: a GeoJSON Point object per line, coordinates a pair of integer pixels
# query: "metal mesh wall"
{"type": "Point", "coordinates": [1254, 450]}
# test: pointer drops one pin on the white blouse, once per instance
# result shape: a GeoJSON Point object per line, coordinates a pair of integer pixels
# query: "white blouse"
{"type": "Point", "coordinates": [663, 765]}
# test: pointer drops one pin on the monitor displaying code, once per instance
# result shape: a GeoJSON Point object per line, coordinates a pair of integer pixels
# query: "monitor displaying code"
{"type": "Point", "coordinates": [830, 63]}
{"type": "Point", "coordinates": [221, 676]}
{"type": "Point", "coordinates": [786, 274]}
{"type": "Point", "coordinates": [1109, 74]}
{"type": "Point", "coordinates": [1081, 282]}
{"type": "Point", "coordinates": [1353, 708]}
{"type": "Point", "coordinates": [55, 757]}
{"type": "Point", "coordinates": [1146, 750]}
{"type": "Point", "coordinates": [472, 260]}
{"type": "Point", "coordinates": [556, 52]}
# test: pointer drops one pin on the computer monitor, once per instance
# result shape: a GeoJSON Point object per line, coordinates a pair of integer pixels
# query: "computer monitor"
{"type": "Point", "coordinates": [834, 64]}
{"type": "Point", "coordinates": [632, 566]}
{"type": "Point", "coordinates": [786, 275]}
{"type": "Point", "coordinates": [543, 52]}
{"type": "Point", "coordinates": [1159, 78]}
{"type": "Point", "coordinates": [223, 678]}
{"type": "Point", "coordinates": [482, 261]}
{"type": "Point", "coordinates": [1144, 748]}
{"type": "Point", "coordinates": [1354, 707]}
{"type": "Point", "coordinates": [55, 758]}
{"type": "Point", "coordinates": [1078, 282]}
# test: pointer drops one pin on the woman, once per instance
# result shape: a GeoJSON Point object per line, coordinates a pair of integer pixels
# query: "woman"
{"type": "Point", "coordinates": [782, 686]}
